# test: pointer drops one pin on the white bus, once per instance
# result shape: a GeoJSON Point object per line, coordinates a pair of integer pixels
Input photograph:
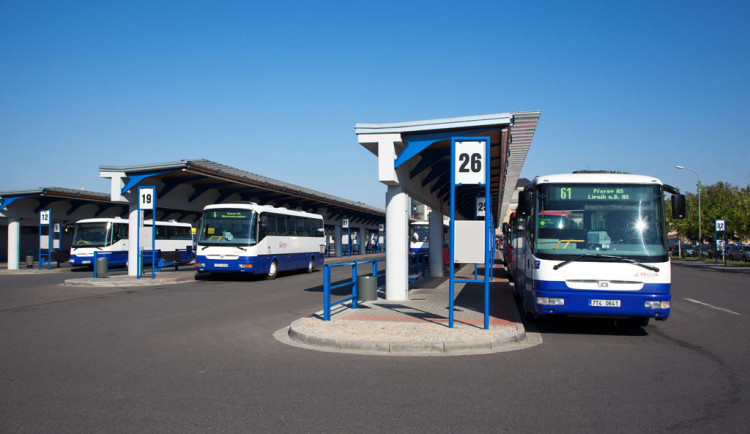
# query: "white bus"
{"type": "Point", "coordinates": [259, 239]}
{"type": "Point", "coordinates": [420, 237]}
{"type": "Point", "coordinates": [595, 244]}
{"type": "Point", "coordinates": [109, 237]}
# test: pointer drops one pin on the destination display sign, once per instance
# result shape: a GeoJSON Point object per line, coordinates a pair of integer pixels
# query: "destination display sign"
{"type": "Point", "coordinates": [232, 214]}
{"type": "Point", "coordinates": [600, 193]}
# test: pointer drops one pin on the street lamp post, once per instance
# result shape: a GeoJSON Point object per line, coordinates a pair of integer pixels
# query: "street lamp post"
{"type": "Point", "coordinates": [700, 238]}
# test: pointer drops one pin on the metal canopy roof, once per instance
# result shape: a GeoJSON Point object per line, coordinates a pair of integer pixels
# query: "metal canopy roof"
{"type": "Point", "coordinates": [44, 197]}
{"type": "Point", "coordinates": [426, 154]}
{"type": "Point", "coordinates": [212, 182]}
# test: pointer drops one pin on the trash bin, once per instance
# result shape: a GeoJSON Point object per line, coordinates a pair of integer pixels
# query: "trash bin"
{"type": "Point", "coordinates": [367, 288]}
{"type": "Point", "coordinates": [29, 261]}
{"type": "Point", "coordinates": [102, 266]}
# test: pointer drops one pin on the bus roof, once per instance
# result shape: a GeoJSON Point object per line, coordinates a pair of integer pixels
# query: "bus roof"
{"type": "Point", "coordinates": [262, 208]}
{"type": "Point", "coordinates": [124, 221]}
{"type": "Point", "coordinates": [596, 177]}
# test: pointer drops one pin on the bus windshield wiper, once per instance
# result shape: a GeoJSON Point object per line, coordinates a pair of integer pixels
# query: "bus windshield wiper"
{"type": "Point", "coordinates": [610, 257]}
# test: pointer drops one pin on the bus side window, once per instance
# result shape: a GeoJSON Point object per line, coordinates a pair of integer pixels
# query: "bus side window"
{"type": "Point", "coordinates": [263, 229]}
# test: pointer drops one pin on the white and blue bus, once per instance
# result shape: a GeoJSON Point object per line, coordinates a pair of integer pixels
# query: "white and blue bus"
{"type": "Point", "coordinates": [259, 239]}
{"type": "Point", "coordinates": [420, 237]}
{"type": "Point", "coordinates": [595, 244]}
{"type": "Point", "coordinates": [109, 238]}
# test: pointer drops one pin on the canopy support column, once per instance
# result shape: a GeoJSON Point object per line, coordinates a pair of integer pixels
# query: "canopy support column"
{"type": "Point", "coordinates": [397, 244]}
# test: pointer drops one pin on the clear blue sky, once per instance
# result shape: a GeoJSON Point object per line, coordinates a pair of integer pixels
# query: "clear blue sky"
{"type": "Point", "coordinates": [275, 88]}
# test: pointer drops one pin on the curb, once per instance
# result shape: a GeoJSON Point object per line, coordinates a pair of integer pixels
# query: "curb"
{"type": "Point", "coordinates": [106, 282]}
{"type": "Point", "coordinates": [509, 342]}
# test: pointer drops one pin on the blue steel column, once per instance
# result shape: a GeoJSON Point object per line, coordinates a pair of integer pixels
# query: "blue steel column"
{"type": "Point", "coordinates": [453, 233]}
{"type": "Point", "coordinates": [489, 237]}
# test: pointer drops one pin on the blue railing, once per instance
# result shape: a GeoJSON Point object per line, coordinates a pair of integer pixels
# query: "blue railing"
{"type": "Point", "coordinates": [417, 263]}
{"type": "Point", "coordinates": [327, 287]}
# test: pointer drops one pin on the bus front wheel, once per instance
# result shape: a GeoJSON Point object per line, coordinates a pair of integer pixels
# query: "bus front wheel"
{"type": "Point", "coordinates": [311, 266]}
{"type": "Point", "coordinates": [273, 270]}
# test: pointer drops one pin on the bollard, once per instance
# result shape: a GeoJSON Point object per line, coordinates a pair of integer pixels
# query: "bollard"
{"type": "Point", "coordinates": [29, 261]}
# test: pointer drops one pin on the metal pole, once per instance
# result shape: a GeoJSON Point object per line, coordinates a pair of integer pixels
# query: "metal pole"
{"type": "Point", "coordinates": [700, 236]}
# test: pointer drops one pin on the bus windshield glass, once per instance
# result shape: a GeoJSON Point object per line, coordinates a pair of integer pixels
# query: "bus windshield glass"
{"type": "Point", "coordinates": [228, 226]}
{"type": "Point", "coordinates": [90, 234]}
{"type": "Point", "coordinates": [420, 232]}
{"type": "Point", "coordinates": [599, 221]}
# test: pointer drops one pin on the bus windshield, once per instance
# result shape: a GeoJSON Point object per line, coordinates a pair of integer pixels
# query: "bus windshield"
{"type": "Point", "coordinates": [228, 226]}
{"type": "Point", "coordinates": [420, 232]}
{"type": "Point", "coordinates": [599, 220]}
{"type": "Point", "coordinates": [90, 234]}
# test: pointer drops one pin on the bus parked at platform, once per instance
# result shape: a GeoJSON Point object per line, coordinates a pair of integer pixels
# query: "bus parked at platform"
{"type": "Point", "coordinates": [594, 244]}
{"type": "Point", "coordinates": [109, 238]}
{"type": "Point", "coordinates": [259, 239]}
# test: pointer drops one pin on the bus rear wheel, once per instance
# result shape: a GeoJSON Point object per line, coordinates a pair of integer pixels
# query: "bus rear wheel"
{"type": "Point", "coordinates": [273, 270]}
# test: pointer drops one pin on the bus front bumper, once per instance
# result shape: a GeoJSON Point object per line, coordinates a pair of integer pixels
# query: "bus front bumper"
{"type": "Point", "coordinates": [637, 304]}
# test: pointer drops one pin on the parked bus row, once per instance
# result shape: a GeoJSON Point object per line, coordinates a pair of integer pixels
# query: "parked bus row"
{"type": "Point", "coordinates": [239, 238]}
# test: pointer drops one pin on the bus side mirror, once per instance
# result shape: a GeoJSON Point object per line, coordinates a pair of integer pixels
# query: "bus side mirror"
{"type": "Point", "coordinates": [678, 206]}
{"type": "Point", "coordinates": [524, 203]}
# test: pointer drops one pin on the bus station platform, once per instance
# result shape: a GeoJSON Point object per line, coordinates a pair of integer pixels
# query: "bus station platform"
{"type": "Point", "coordinates": [419, 326]}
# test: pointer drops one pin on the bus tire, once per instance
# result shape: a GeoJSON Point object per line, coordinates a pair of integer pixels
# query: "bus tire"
{"type": "Point", "coordinates": [311, 266]}
{"type": "Point", "coordinates": [273, 270]}
{"type": "Point", "coordinates": [642, 322]}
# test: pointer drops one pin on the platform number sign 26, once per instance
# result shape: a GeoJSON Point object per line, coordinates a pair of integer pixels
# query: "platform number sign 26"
{"type": "Point", "coordinates": [146, 198]}
{"type": "Point", "coordinates": [470, 162]}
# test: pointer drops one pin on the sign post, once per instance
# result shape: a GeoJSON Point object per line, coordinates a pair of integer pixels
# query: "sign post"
{"type": "Point", "coordinates": [381, 238]}
{"type": "Point", "coordinates": [469, 160]}
{"type": "Point", "coordinates": [345, 225]}
{"type": "Point", "coordinates": [147, 200]}
{"type": "Point", "coordinates": [720, 226]}
{"type": "Point", "coordinates": [45, 241]}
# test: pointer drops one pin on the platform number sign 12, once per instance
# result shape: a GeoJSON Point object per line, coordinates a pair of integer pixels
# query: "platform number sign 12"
{"type": "Point", "coordinates": [146, 198]}
{"type": "Point", "coordinates": [470, 162]}
{"type": "Point", "coordinates": [44, 217]}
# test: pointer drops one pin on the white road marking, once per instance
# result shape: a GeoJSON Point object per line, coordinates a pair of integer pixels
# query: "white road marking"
{"type": "Point", "coordinates": [712, 306]}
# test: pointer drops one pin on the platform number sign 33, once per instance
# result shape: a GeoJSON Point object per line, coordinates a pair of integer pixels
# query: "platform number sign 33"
{"type": "Point", "coordinates": [146, 198]}
{"type": "Point", "coordinates": [470, 162]}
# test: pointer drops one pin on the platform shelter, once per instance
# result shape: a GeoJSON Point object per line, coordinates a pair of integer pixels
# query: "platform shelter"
{"type": "Point", "coordinates": [414, 161]}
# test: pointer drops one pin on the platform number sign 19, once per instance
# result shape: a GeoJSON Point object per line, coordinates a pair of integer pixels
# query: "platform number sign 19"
{"type": "Point", "coordinates": [470, 162]}
{"type": "Point", "coordinates": [146, 198]}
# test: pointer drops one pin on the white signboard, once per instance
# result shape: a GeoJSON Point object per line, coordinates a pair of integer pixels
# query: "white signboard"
{"type": "Point", "coordinates": [481, 206]}
{"type": "Point", "coordinates": [470, 162]}
{"type": "Point", "coordinates": [720, 225]}
{"type": "Point", "coordinates": [146, 198]}
{"type": "Point", "coordinates": [345, 223]}
{"type": "Point", "coordinates": [469, 240]}
{"type": "Point", "coordinates": [44, 217]}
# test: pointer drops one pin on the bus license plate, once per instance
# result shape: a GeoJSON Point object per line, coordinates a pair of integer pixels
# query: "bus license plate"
{"type": "Point", "coordinates": [604, 303]}
{"type": "Point", "coordinates": [221, 265]}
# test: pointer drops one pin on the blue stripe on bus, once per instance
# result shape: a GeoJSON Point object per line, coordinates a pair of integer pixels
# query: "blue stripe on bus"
{"type": "Point", "coordinates": [557, 285]}
{"type": "Point", "coordinates": [260, 264]}
{"type": "Point", "coordinates": [577, 301]}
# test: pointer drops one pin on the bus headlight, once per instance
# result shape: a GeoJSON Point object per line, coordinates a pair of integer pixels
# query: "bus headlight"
{"type": "Point", "coordinates": [246, 265]}
{"type": "Point", "coordinates": [550, 301]}
{"type": "Point", "coordinates": [656, 304]}
{"type": "Point", "coordinates": [199, 265]}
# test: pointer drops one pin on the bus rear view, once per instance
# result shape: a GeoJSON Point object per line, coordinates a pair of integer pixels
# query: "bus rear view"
{"type": "Point", "coordinates": [595, 244]}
